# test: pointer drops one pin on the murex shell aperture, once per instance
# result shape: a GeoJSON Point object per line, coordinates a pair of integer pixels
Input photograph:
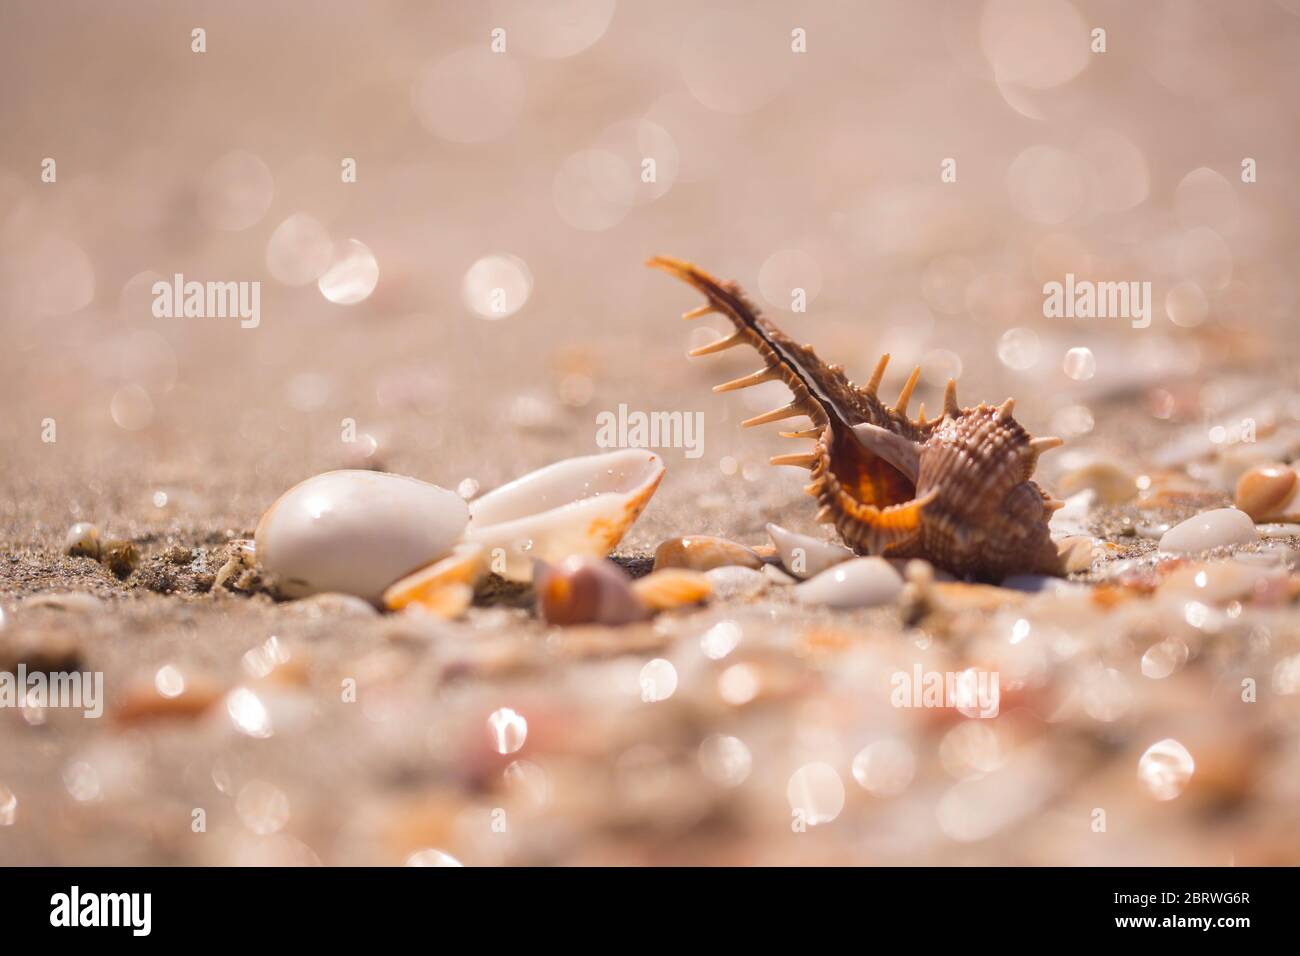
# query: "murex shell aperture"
{"type": "Point", "coordinates": [955, 490]}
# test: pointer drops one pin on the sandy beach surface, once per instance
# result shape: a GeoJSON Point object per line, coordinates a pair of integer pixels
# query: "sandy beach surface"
{"type": "Point", "coordinates": [1148, 703]}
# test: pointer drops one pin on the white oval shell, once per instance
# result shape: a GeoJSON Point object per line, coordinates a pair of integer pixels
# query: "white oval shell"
{"type": "Point", "coordinates": [579, 506]}
{"type": "Point", "coordinates": [356, 532]}
{"type": "Point", "coordinates": [1210, 529]}
{"type": "Point", "coordinates": [862, 582]}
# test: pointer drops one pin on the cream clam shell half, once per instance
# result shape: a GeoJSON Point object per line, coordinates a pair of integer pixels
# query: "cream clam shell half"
{"type": "Point", "coordinates": [579, 506]}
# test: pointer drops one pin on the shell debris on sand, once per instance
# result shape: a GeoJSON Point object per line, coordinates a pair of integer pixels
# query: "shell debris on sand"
{"type": "Point", "coordinates": [804, 556]}
{"type": "Point", "coordinates": [586, 590]}
{"type": "Point", "coordinates": [440, 587]}
{"type": "Point", "coordinates": [861, 582]}
{"type": "Point", "coordinates": [579, 506]}
{"type": "Point", "coordinates": [703, 552]}
{"type": "Point", "coordinates": [395, 541]}
{"type": "Point", "coordinates": [669, 588]}
{"type": "Point", "coordinates": [1269, 492]}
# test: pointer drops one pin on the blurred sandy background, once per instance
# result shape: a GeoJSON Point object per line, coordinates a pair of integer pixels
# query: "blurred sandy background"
{"type": "Point", "coordinates": [817, 170]}
{"type": "Point", "coordinates": [521, 170]}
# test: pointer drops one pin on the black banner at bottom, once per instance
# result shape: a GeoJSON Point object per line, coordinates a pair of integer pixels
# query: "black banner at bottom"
{"type": "Point", "coordinates": [334, 905]}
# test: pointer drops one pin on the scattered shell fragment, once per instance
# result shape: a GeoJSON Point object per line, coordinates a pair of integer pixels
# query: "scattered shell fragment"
{"type": "Point", "coordinates": [862, 582]}
{"type": "Point", "coordinates": [356, 532]}
{"type": "Point", "coordinates": [1210, 529]}
{"type": "Point", "coordinates": [586, 590]}
{"type": "Point", "coordinates": [732, 582]}
{"type": "Point", "coordinates": [669, 588]}
{"type": "Point", "coordinates": [1268, 492]}
{"type": "Point", "coordinates": [1076, 553]}
{"type": "Point", "coordinates": [1111, 480]}
{"type": "Point", "coordinates": [702, 552]}
{"type": "Point", "coordinates": [804, 556]}
{"type": "Point", "coordinates": [449, 602]}
{"type": "Point", "coordinates": [120, 557]}
{"type": "Point", "coordinates": [439, 586]}
{"type": "Point", "coordinates": [579, 506]}
{"type": "Point", "coordinates": [82, 540]}
{"type": "Point", "coordinates": [1236, 459]}
{"type": "Point", "coordinates": [1072, 518]}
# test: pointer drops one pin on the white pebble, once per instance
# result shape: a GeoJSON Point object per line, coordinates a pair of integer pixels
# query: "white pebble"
{"type": "Point", "coordinates": [1210, 529]}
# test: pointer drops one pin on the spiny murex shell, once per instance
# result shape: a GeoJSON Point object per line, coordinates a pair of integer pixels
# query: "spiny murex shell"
{"type": "Point", "coordinates": [954, 490]}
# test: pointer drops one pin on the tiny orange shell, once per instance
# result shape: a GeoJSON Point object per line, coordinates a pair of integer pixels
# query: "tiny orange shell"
{"type": "Point", "coordinates": [671, 588]}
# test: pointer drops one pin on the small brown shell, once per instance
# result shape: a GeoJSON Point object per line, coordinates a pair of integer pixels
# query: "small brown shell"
{"type": "Point", "coordinates": [703, 552]}
{"type": "Point", "coordinates": [1264, 490]}
{"type": "Point", "coordinates": [671, 588]}
{"type": "Point", "coordinates": [583, 590]}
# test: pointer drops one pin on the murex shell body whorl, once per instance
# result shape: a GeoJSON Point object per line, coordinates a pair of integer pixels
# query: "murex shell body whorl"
{"type": "Point", "coordinates": [955, 490]}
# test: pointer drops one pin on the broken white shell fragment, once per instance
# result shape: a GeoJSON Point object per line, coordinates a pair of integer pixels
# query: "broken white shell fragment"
{"type": "Point", "coordinates": [862, 582]}
{"type": "Point", "coordinates": [579, 506]}
{"type": "Point", "coordinates": [1210, 529]}
{"type": "Point", "coordinates": [1076, 552]}
{"type": "Point", "coordinates": [439, 587]}
{"type": "Point", "coordinates": [1072, 518]}
{"type": "Point", "coordinates": [803, 556]}
{"type": "Point", "coordinates": [356, 532]}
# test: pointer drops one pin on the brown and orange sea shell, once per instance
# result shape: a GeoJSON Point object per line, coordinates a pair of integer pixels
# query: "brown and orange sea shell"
{"type": "Point", "coordinates": [955, 490]}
